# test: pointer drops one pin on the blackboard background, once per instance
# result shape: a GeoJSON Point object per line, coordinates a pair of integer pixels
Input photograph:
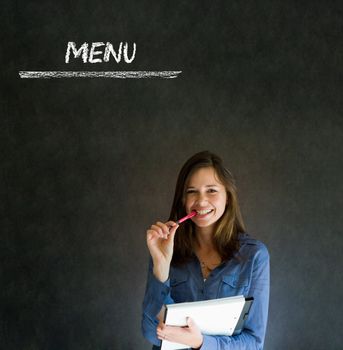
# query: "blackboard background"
{"type": "Point", "coordinates": [89, 164]}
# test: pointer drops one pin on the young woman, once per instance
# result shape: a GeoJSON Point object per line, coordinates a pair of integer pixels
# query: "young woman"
{"type": "Point", "coordinates": [209, 256]}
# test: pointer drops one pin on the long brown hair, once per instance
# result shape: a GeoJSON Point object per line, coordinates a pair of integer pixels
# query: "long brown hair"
{"type": "Point", "coordinates": [227, 227]}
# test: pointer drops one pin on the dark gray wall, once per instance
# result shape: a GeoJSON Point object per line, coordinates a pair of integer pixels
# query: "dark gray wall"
{"type": "Point", "coordinates": [89, 164]}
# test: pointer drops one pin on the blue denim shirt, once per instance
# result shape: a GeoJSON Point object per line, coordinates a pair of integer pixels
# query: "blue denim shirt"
{"type": "Point", "coordinates": [246, 274]}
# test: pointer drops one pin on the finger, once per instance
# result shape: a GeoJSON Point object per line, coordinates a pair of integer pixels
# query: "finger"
{"type": "Point", "coordinates": [162, 337]}
{"type": "Point", "coordinates": [172, 233]}
{"type": "Point", "coordinates": [173, 333]}
{"type": "Point", "coordinates": [164, 228]}
{"type": "Point", "coordinates": [173, 229]}
{"type": "Point", "coordinates": [161, 326]}
{"type": "Point", "coordinates": [152, 234]}
{"type": "Point", "coordinates": [158, 230]}
{"type": "Point", "coordinates": [191, 323]}
{"type": "Point", "coordinates": [160, 333]}
{"type": "Point", "coordinates": [170, 224]}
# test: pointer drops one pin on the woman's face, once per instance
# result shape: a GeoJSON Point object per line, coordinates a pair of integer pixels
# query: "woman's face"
{"type": "Point", "coordinates": [207, 195]}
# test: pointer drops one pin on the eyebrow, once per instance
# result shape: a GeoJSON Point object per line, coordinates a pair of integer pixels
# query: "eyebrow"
{"type": "Point", "coordinates": [205, 186]}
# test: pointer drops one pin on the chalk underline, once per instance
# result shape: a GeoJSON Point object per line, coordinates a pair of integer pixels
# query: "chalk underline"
{"type": "Point", "coordinates": [99, 74]}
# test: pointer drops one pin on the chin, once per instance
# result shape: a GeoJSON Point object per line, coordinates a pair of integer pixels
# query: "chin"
{"type": "Point", "coordinates": [205, 224]}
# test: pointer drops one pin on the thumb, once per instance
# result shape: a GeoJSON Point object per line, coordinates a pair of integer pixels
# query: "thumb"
{"type": "Point", "coordinates": [173, 230]}
{"type": "Point", "coordinates": [190, 322]}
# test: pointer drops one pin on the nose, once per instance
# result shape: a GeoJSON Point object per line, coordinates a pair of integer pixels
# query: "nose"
{"type": "Point", "coordinates": [201, 200]}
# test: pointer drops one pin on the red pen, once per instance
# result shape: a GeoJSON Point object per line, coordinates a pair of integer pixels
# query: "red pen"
{"type": "Point", "coordinates": [190, 215]}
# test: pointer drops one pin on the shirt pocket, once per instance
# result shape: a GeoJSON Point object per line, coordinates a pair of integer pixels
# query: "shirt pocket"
{"type": "Point", "coordinates": [179, 289]}
{"type": "Point", "coordinates": [232, 285]}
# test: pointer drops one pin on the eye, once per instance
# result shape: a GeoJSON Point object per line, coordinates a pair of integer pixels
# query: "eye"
{"type": "Point", "coordinates": [190, 191]}
{"type": "Point", "coordinates": [212, 190]}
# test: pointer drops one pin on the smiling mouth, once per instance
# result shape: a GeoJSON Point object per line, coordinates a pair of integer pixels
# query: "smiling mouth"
{"type": "Point", "coordinates": [204, 212]}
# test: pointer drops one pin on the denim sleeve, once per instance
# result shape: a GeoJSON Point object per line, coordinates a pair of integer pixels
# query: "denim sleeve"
{"type": "Point", "coordinates": [252, 336]}
{"type": "Point", "coordinates": [156, 295]}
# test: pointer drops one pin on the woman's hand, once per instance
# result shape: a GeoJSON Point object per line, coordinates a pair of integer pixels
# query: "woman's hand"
{"type": "Point", "coordinates": [160, 241]}
{"type": "Point", "coordinates": [189, 335]}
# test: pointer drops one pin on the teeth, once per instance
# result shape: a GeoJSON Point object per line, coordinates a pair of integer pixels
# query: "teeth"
{"type": "Point", "coordinates": [203, 212]}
